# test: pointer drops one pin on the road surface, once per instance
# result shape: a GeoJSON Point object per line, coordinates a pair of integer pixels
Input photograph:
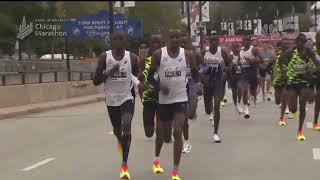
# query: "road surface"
{"type": "Point", "coordinates": [77, 144]}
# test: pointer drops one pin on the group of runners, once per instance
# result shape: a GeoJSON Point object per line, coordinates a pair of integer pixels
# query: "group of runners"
{"type": "Point", "coordinates": [175, 74]}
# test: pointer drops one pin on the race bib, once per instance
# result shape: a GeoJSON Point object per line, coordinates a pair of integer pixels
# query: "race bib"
{"type": "Point", "coordinates": [213, 62]}
{"type": "Point", "coordinates": [120, 75]}
{"type": "Point", "coordinates": [244, 63]}
{"type": "Point", "coordinates": [300, 68]}
{"type": "Point", "coordinates": [171, 73]}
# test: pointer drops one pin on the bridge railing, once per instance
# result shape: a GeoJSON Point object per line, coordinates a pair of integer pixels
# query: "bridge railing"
{"type": "Point", "coordinates": [32, 77]}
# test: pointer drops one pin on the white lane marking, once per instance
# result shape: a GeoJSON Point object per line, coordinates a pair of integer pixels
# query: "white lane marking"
{"type": "Point", "coordinates": [38, 164]}
{"type": "Point", "coordinates": [309, 125]}
{"type": "Point", "coordinates": [316, 153]}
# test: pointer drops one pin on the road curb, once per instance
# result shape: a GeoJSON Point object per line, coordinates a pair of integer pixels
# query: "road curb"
{"type": "Point", "coordinates": [50, 106]}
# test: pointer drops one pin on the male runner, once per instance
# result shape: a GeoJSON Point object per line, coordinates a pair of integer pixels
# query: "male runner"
{"type": "Point", "coordinates": [150, 95]}
{"type": "Point", "coordinates": [171, 62]}
{"type": "Point", "coordinates": [299, 79]}
{"type": "Point", "coordinates": [278, 80]}
{"type": "Point", "coordinates": [317, 84]}
{"type": "Point", "coordinates": [248, 81]}
{"type": "Point", "coordinates": [267, 56]}
{"type": "Point", "coordinates": [115, 69]}
{"type": "Point", "coordinates": [215, 62]}
{"type": "Point", "coordinates": [192, 89]}
{"type": "Point", "coordinates": [234, 77]}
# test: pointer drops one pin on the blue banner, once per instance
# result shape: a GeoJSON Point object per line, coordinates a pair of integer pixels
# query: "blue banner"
{"type": "Point", "coordinates": [97, 26]}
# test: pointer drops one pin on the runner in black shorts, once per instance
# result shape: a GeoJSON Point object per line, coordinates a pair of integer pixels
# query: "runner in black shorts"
{"type": "Point", "coordinates": [171, 62]}
{"type": "Point", "coordinates": [267, 58]}
{"type": "Point", "coordinates": [116, 69]}
{"type": "Point", "coordinates": [299, 82]}
{"type": "Point", "coordinates": [150, 95]}
{"type": "Point", "coordinates": [317, 85]}
{"type": "Point", "coordinates": [215, 63]}
{"type": "Point", "coordinates": [248, 82]}
{"type": "Point", "coordinates": [193, 88]}
{"type": "Point", "coordinates": [234, 77]}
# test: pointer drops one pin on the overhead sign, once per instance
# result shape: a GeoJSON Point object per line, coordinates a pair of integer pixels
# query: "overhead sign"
{"type": "Point", "coordinates": [97, 26]}
{"type": "Point", "coordinates": [124, 4]}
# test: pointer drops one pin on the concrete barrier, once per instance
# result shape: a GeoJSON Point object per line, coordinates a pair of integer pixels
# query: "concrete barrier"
{"type": "Point", "coordinates": [18, 95]}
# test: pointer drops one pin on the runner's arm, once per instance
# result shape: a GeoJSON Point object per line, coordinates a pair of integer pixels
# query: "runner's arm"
{"type": "Point", "coordinates": [313, 57]}
{"type": "Point", "coordinates": [155, 63]}
{"type": "Point", "coordinates": [227, 58]}
{"type": "Point", "coordinates": [193, 66]}
{"type": "Point", "coordinates": [99, 76]}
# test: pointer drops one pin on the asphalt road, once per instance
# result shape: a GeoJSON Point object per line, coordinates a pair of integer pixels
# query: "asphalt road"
{"type": "Point", "coordinates": [76, 144]}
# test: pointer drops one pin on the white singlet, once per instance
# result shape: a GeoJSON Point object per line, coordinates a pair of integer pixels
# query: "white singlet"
{"type": "Point", "coordinates": [172, 73]}
{"type": "Point", "coordinates": [118, 86]}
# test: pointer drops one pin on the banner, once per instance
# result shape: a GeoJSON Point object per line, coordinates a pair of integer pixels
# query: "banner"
{"type": "Point", "coordinates": [97, 26]}
{"type": "Point", "coordinates": [226, 39]}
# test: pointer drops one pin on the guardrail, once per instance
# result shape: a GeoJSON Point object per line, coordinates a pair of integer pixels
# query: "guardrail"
{"type": "Point", "coordinates": [20, 78]}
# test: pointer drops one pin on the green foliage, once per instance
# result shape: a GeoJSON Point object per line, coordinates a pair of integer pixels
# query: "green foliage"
{"type": "Point", "coordinates": [158, 17]}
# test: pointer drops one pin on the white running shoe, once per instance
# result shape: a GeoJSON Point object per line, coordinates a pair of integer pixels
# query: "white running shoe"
{"type": "Point", "coordinates": [211, 117]}
{"type": "Point", "coordinates": [216, 138]}
{"type": "Point", "coordinates": [246, 112]}
{"type": "Point", "coordinates": [290, 115]}
{"type": "Point", "coordinates": [186, 148]}
{"type": "Point", "coordinates": [240, 110]}
{"type": "Point", "coordinates": [287, 111]}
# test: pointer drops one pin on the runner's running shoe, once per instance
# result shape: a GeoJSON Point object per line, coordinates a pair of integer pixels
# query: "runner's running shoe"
{"type": "Point", "coordinates": [156, 168]}
{"type": "Point", "coordinates": [186, 147]}
{"type": "Point", "coordinates": [216, 138]}
{"type": "Point", "coordinates": [124, 173]}
{"type": "Point", "coordinates": [300, 136]}
{"type": "Point", "coordinates": [175, 175]}
{"type": "Point", "coordinates": [316, 127]}
{"type": "Point", "coordinates": [282, 122]}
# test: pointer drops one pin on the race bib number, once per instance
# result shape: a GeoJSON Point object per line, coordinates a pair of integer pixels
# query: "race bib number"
{"type": "Point", "coordinates": [244, 63]}
{"type": "Point", "coordinates": [213, 62]}
{"type": "Point", "coordinates": [172, 72]}
{"type": "Point", "coordinates": [300, 68]}
{"type": "Point", "coordinates": [120, 75]}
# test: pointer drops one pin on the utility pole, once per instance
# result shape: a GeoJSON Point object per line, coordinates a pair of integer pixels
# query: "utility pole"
{"type": "Point", "coordinates": [188, 14]}
{"type": "Point", "coordinates": [315, 17]}
{"type": "Point", "coordinates": [200, 24]}
{"type": "Point", "coordinates": [111, 17]}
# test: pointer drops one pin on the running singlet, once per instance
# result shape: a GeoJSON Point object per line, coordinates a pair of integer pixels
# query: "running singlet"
{"type": "Point", "coordinates": [266, 56]}
{"type": "Point", "coordinates": [316, 75]}
{"type": "Point", "coordinates": [119, 85]}
{"type": "Point", "coordinates": [214, 60]}
{"type": "Point", "coordinates": [149, 94]}
{"type": "Point", "coordinates": [296, 72]}
{"type": "Point", "coordinates": [244, 57]}
{"type": "Point", "coordinates": [172, 73]}
{"type": "Point", "coordinates": [278, 80]}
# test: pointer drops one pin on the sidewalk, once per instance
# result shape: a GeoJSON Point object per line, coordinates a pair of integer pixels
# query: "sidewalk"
{"type": "Point", "coordinates": [40, 107]}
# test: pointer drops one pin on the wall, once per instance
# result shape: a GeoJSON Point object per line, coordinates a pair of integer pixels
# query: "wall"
{"type": "Point", "coordinates": [17, 95]}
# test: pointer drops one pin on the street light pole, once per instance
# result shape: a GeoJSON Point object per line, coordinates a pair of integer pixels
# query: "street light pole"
{"type": "Point", "coordinates": [111, 17]}
{"type": "Point", "coordinates": [188, 14]}
{"type": "Point", "coordinates": [200, 22]}
{"type": "Point", "coordinates": [315, 17]}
